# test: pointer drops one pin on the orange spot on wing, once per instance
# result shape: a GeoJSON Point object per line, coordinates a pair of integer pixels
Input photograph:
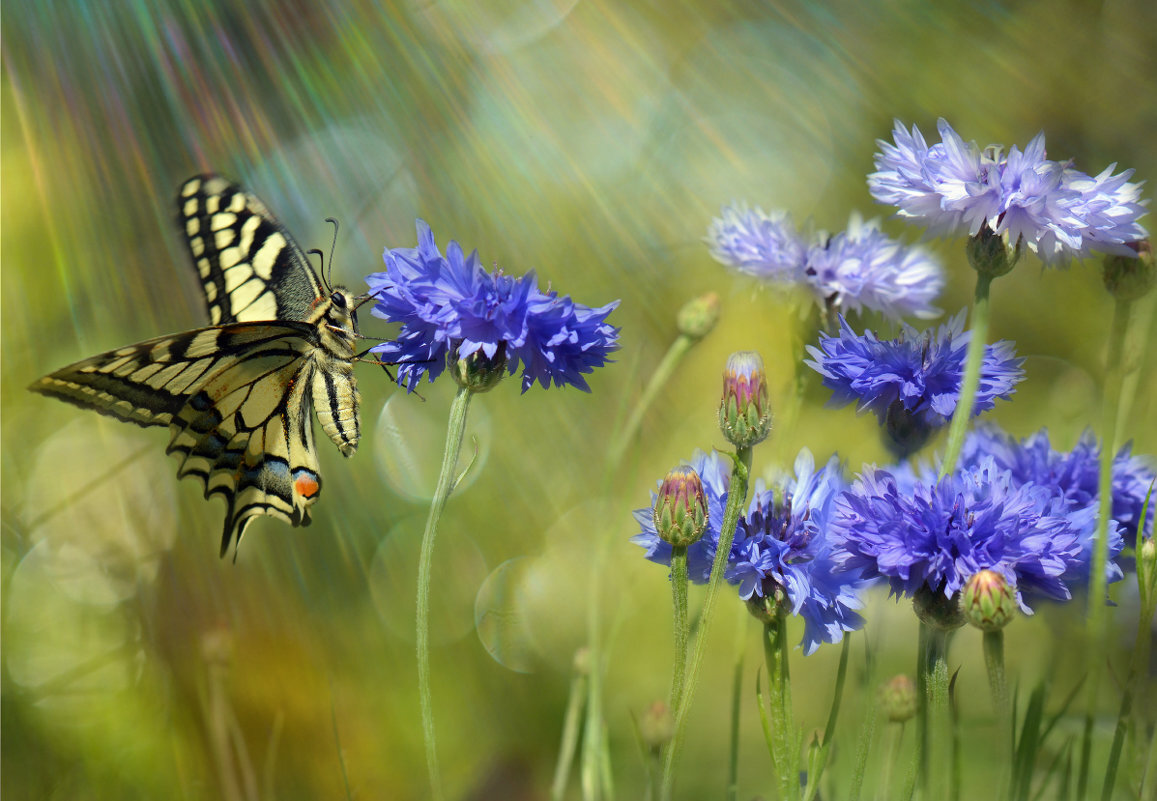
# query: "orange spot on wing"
{"type": "Point", "coordinates": [306, 485]}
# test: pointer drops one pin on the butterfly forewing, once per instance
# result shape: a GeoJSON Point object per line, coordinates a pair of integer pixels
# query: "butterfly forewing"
{"type": "Point", "coordinates": [238, 397]}
{"type": "Point", "coordinates": [250, 267]}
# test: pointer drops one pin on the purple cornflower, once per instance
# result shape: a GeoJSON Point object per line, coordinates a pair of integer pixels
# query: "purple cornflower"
{"type": "Point", "coordinates": [912, 383]}
{"type": "Point", "coordinates": [1055, 210]}
{"type": "Point", "coordinates": [780, 548]}
{"type": "Point", "coordinates": [935, 535]}
{"type": "Point", "coordinates": [450, 308]}
{"type": "Point", "coordinates": [782, 552]}
{"type": "Point", "coordinates": [855, 269]}
{"type": "Point", "coordinates": [1074, 474]}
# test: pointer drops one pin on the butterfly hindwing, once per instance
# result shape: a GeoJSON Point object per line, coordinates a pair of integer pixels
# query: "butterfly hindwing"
{"type": "Point", "coordinates": [249, 266]}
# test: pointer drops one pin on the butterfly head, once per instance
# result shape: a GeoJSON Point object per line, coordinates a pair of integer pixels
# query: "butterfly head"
{"type": "Point", "coordinates": [337, 319]}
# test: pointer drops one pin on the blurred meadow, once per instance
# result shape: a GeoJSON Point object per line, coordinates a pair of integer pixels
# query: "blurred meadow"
{"type": "Point", "coordinates": [592, 142]}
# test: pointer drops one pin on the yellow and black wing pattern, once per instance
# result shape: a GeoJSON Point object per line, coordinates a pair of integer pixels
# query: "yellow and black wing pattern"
{"type": "Point", "coordinates": [238, 397]}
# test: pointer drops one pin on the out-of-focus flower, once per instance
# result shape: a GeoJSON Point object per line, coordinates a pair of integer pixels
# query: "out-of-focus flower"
{"type": "Point", "coordinates": [451, 308]}
{"type": "Point", "coordinates": [954, 187]}
{"type": "Point", "coordinates": [859, 268]}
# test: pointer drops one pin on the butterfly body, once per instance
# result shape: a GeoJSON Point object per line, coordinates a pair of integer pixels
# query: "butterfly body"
{"type": "Point", "coordinates": [239, 396]}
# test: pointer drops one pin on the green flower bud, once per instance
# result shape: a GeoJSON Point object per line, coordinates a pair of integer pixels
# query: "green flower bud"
{"type": "Point", "coordinates": [937, 611]}
{"type": "Point", "coordinates": [898, 699]}
{"type": "Point", "coordinates": [989, 255]}
{"type": "Point", "coordinates": [680, 510]}
{"type": "Point", "coordinates": [1130, 278]}
{"type": "Point", "coordinates": [657, 725]}
{"type": "Point", "coordinates": [478, 372]}
{"type": "Point", "coordinates": [744, 412]}
{"type": "Point", "coordinates": [698, 316]}
{"type": "Point", "coordinates": [989, 602]}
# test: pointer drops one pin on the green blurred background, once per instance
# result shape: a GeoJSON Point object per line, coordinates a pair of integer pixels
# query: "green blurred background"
{"type": "Point", "coordinates": [591, 141]}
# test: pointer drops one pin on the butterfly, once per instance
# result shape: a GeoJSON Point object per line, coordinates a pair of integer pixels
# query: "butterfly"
{"type": "Point", "coordinates": [238, 396]}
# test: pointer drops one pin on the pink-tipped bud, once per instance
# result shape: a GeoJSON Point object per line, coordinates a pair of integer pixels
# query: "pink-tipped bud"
{"type": "Point", "coordinates": [744, 412]}
{"type": "Point", "coordinates": [680, 511]}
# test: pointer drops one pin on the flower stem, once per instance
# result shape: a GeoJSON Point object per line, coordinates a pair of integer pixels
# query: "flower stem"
{"type": "Point", "coordinates": [736, 698]}
{"type": "Point", "coordinates": [779, 698]}
{"type": "Point", "coordinates": [998, 687]}
{"type": "Point", "coordinates": [679, 601]}
{"type": "Point", "coordinates": [593, 751]}
{"type": "Point", "coordinates": [570, 731]}
{"type": "Point", "coordinates": [1110, 407]}
{"type": "Point", "coordinates": [454, 432]}
{"type": "Point", "coordinates": [736, 498]}
{"type": "Point", "coordinates": [969, 382]}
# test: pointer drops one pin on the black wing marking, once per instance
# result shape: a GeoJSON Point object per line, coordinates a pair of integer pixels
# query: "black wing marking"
{"type": "Point", "coordinates": [250, 268]}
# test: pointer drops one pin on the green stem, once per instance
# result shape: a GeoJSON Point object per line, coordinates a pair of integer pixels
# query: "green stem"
{"type": "Point", "coordinates": [736, 698]}
{"type": "Point", "coordinates": [570, 731]}
{"type": "Point", "coordinates": [998, 688]}
{"type": "Point", "coordinates": [663, 372]}
{"type": "Point", "coordinates": [679, 601]}
{"type": "Point", "coordinates": [819, 762]}
{"type": "Point", "coordinates": [978, 325]}
{"type": "Point", "coordinates": [779, 699]}
{"type": "Point", "coordinates": [736, 498]}
{"type": "Point", "coordinates": [939, 719]}
{"type": "Point", "coordinates": [454, 432]}
{"type": "Point", "coordinates": [1110, 406]}
{"type": "Point", "coordinates": [593, 752]}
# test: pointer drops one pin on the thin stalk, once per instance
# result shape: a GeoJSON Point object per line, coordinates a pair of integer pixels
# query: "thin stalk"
{"type": "Point", "coordinates": [682, 630]}
{"type": "Point", "coordinates": [594, 746]}
{"type": "Point", "coordinates": [1111, 404]}
{"type": "Point", "coordinates": [939, 720]}
{"type": "Point", "coordinates": [454, 432]}
{"type": "Point", "coordinates": [779, 699]}
{"type": "Point", "coordinates": [736, 698]}
{"type": "Point", "coordinates": [570, 732]}
{"type": "Point", "coordinates": [736, 499]}
{"type": "Point", "coordinates": [978, 325]}
{"type": "Point", "coordinates": [816, 766]}
{"type": "Point", "coordinates": [998, 688]}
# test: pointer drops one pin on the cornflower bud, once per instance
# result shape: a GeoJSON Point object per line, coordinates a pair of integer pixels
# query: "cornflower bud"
{"type": "Point", "coordinates": [989, 602]}
{"type": "Point", "coordinates": [937, 611]}
{"type": "Point", "coordinates": [698, 316]}
{"type": "Point", "coordinates": [898, 699]}
{"type": "Point", "coordinates": [1129, 278]}
{"type": "Point", "coordinates": [657, 725]}
{"type": "Point", "coordinates": [680, 510]}
{"type": "Point", "coordinates": [989, 255]}
{"type": "Point", "coordinates": [478, 372]}
{"type": "Point", "coordinates": [744, 412]}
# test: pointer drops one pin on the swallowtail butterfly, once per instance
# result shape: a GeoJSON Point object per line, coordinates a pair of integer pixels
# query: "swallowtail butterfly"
{"type": "Point", "coordinates": [237, 396]}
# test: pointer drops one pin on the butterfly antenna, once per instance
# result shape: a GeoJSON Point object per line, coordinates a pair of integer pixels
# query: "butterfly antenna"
{"type": "Point", "coordinates": [320, 261]}
{"type": "Point", "coordinates": [332, 247]}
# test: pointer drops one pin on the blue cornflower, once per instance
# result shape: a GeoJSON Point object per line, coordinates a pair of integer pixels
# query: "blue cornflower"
{"type": "Point", "coordinates": [758, 243]}
{"type": "Point", "coordinates": [451, 308]}
{"type": "Point", "coordinates": [1074, 475]}
{"type": "Point", "coordinates": [1055, 210]}
{"type": "Point", "coordinates": [935, 535]}
{"type": "Point", "coordinates": [782, 550]}
{"type": "Point", "coordinates": [913, 380]}
{"type": "Point", "coordinates": [858, 268]}
{"type": "Point", "coordinates": [714, 471]}
{"type": "Point", "coordinates": [780, 547]}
